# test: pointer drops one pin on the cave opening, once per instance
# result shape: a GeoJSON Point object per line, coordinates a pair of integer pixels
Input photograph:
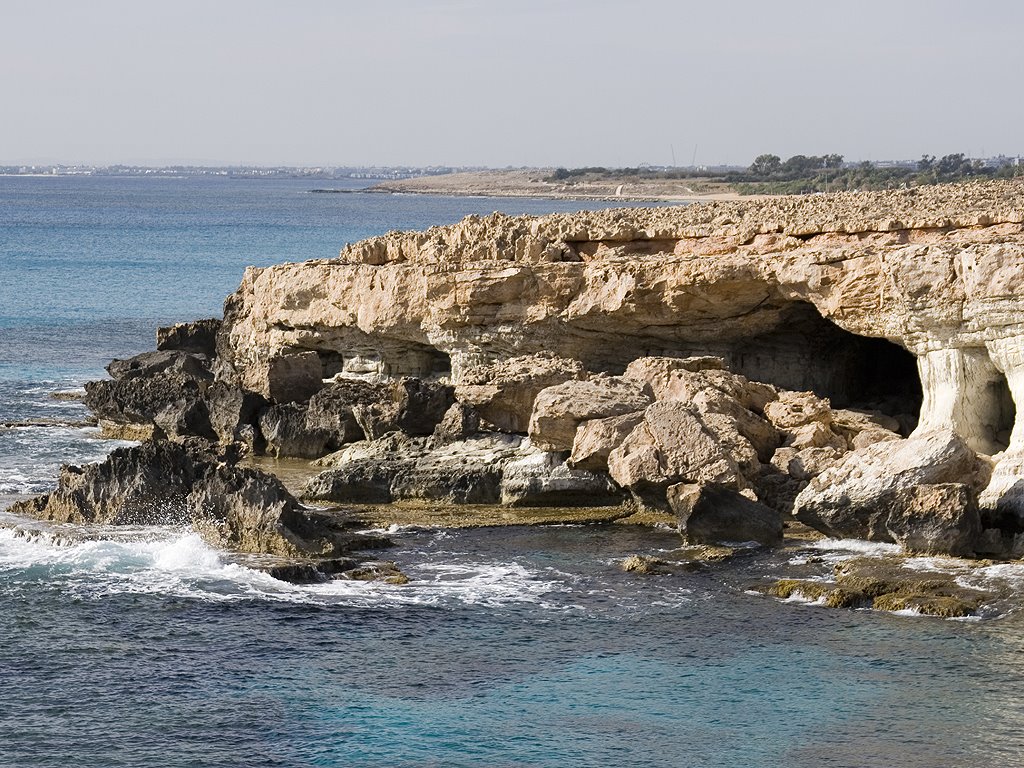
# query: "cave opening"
{"type": "Point", "coordinates": [807, 352]}
{"type": "Point", "coordinates": [1005, 412]}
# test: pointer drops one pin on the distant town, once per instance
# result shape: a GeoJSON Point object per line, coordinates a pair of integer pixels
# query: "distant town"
{"type": "Point", "coordinates": [235, 171]}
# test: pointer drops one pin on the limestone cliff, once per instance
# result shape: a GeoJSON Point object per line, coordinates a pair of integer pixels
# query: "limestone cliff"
{"type": "Point", "coordinates": [770, 286]}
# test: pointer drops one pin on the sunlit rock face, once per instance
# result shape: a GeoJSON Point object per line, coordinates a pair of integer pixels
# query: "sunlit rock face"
{"type": "Point", "coordinates": [909, 302]}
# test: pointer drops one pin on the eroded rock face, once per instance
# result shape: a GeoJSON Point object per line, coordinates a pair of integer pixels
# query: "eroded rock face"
{"type": "Point", "coordinates": [778, 349]}
{"type": "Point", "coordinates": [765, 286]}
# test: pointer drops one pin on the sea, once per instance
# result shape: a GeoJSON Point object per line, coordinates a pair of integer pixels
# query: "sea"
{"type": "Point", "coordinates": [509, 647]}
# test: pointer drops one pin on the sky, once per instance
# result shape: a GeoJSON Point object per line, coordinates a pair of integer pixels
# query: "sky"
{"type": "Point", "coordinates": [506, 82]}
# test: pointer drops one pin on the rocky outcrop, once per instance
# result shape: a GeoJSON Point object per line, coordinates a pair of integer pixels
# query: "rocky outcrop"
{"type": "Point", "coordinates": [791, 292]}
{"type": "Point", "coordinates": [800, 353]}
{"type": "Point", "coordinates": [184, 483]}
{"type": "Point", "coordinates": [199, 336]}
{"type": "Point", "coordinates": [163, 391]}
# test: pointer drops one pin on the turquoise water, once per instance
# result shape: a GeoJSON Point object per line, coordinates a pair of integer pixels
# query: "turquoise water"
{"type": "Point", "coordinates": [144, 647]}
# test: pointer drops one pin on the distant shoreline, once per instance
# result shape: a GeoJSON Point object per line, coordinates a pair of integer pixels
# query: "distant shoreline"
{"type": "Point", "coordinates": [534, 183]}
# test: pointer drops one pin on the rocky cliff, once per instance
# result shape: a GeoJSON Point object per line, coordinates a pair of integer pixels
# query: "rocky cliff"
{"type": "Point", "coordinates": [852, 359]}
{"type": "Point", "coordinates": [792, 291]}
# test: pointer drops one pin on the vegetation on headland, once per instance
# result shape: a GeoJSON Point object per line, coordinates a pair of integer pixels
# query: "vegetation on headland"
{"type": "Point", "coordinates": [802, 174]}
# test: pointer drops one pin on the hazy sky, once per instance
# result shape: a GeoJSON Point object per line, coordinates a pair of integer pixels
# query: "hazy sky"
{"type": "Point", "coordinates": [506, 82]}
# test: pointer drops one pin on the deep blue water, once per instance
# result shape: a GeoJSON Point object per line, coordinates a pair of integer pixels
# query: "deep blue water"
{"type": "Point", "coordinates": [510, 647]}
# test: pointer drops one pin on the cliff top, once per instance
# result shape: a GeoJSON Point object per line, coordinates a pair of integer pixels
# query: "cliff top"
{"type": "Point", "coordinates": [544, 238]}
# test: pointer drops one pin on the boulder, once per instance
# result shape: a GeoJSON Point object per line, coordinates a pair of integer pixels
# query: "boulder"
{"type": "Point", "coordinates": [460, 422]}
{"type": "Point", "coordinates": [421, 404]}
{"type": "Point", "coordinates": [331, 409]}
{"type": "Point", "coordinates": [197, 336]}
{"type": "Point", "coordinates": [397, 467]}
{"type": "Point", "coordinates": [681, 379]}
{"type": "Point", "coordinates": [935, 519]}
{"type": "Point", "coordinates": [560, 409]}
{"type": "Point", "coordinates": [805, 421]}
{"type": "Point", "coordinates": [713, 514]}
{"type": "Point", "coordinates": [285, 429]}
{"type": "Point", "coordinates": [234, 414]}
{"type": "Point", "coordinates": [413, 406]}
{"type": "Point", "coordinates": [596, 438]}
{"type": "Point", "coordinates": [542, 478]}
{"type": "Point", "coordinates": [503, 393]}
{"type": "Point", "coordinates": [671, 445]}
{"type": "Point", "coordinates": [806, 463]}
{"type": "Point", "coordinates": [876, 493]}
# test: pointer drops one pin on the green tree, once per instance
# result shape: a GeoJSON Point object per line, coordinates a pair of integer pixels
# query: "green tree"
{"type": "Point", "coordinates": [766, 165]}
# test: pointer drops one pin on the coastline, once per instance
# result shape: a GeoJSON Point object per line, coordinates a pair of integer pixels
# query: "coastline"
{"type": "Point", "coordinates": [532, 183]}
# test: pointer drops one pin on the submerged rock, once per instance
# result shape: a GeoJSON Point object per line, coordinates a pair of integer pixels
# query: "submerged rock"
{"type": "Point", "coordinates": [883, 584]}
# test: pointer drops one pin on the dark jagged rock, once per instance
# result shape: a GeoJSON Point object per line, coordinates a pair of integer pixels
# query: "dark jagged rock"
{"type": "Point", "coordinates": [422, 405]}
{"type": "Point", "coordinates": [197, 336]}
{"type": "Point", "coordinates": [152, 363]}
{"type": "Point", "coordinates": [294, 377]}
{"type": "Point", "coordinates": [330, 409]}
{"type": "Point", "coordinates": [233, 415]}
{"type": "Point", "coordinates": [179, 483]}
{"type": "Point", "coordinates": [416, 407]}
{"type": "Point", "coordinates": [460, 422]}
{"type": "Point", "coordinates": [712, 514]}
{"type": "Point", "coordinates": [287, 433]}
{"type": "Point", "coordinates": [171, 402]}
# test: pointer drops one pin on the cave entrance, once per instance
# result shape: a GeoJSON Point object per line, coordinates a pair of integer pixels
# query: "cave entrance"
{"type": "Point", "coordinates": [1004, 412]}
{"type": "Point", "coordinates": [808, 352]}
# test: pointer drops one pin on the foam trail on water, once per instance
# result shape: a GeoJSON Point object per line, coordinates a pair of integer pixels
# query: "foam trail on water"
{"type": "Point", "coordinates": [177, 562]}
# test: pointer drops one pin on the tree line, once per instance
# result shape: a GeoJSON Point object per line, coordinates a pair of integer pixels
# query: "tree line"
{"type": "Point", "coordinates": [798, 174]}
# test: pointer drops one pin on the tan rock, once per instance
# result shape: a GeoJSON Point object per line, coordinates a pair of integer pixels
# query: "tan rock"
{"type": "Point", "coordinates": [596, 438]}
{"type": "Point", "coordinates": [672, 444]}
{"type": "Point", "coordinates": [773, 287]}
{"type": "Point", "coordinates": [560, 409]}
{"type": "Point", "coordinates": [875, 491]}
{"type": "Point", "coordinates": [503, 393]}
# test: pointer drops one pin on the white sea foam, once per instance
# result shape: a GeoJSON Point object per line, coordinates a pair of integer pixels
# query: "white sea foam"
{"type": "Point", "coordinates": [856, 547]}
{"type": "Point", "coordinates": [177, 562]}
